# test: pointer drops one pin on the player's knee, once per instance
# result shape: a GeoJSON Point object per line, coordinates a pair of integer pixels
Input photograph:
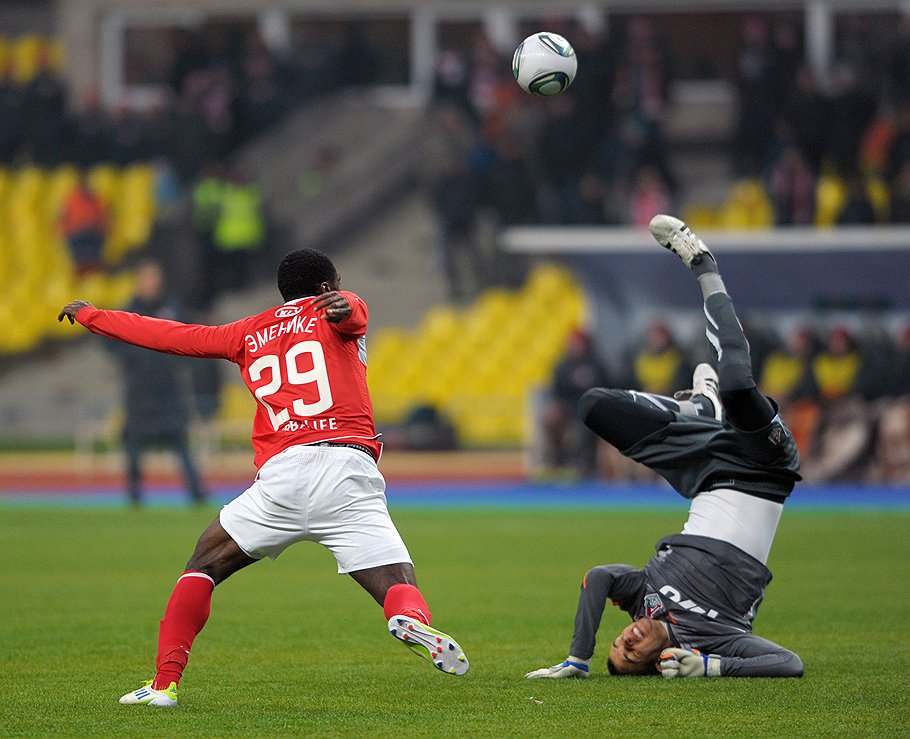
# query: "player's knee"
{"type": "Point", "coordinates": [794, 667]}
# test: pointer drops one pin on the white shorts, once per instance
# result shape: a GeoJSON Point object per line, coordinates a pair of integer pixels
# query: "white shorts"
{"type": "Point", "coordinates": [331, 495]}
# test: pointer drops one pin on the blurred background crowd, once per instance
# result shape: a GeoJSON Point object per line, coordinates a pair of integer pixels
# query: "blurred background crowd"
{"type": "Point", "coordinates": [739, 129]}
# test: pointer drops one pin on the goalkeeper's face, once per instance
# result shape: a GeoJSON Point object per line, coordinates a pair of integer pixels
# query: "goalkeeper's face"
{"type": "Point", "coordinates": [637, 649]}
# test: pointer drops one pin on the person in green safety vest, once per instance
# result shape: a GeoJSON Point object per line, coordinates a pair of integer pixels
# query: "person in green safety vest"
{"type": "Point", "coordinates": [206, 203]}
{"type": "Point", "coordinates": [238, 230]}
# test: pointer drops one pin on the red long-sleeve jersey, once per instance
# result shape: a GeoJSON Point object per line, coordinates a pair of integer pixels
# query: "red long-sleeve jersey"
{"type": "Point", "coordinates": [308, 375]}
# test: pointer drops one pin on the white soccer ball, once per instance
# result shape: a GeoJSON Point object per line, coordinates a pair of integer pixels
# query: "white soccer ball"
{"type": "Point", "coordinates": [544, 64]}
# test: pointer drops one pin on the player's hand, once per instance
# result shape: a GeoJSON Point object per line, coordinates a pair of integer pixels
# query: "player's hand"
{"type": "Point", "coordinates": [568, 669]}
{"type": "Point", "coordinates": [71, 309]}
{"type": "Point", "coordinates": [676, 662]}
{"type": "Point", "coordinates": [333, 306]}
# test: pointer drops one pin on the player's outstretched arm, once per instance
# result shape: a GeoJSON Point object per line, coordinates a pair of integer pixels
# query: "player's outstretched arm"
{"type": "Point", "coordinates": [158, 334]}
{"type": "Point", "coordinates": [71, 309]}
{"type": "Point", "coordinates": [571, 667]}
{"type": "Point", "coordinates": [766, 659]}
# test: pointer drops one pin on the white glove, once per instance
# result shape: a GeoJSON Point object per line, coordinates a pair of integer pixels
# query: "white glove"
{"type": "Point", "coordinates": [572, 667]}
{"type": "Point", "coordinates": [675, 662]}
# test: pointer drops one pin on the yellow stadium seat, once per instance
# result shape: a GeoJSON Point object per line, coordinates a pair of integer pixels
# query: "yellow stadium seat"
{"type": "Point", "coordinates": [700, 217]}
{"type": "Point", "coordinates": [236, 403]}
{"type": "Point", "coordinates": [830, 197]}
{"type": "Point", "coordinates": [104, 181]}
{"type": "Point", "coordinates": [747, 206]}
{"type": "Point", "coordinates": [26, 51]}
{"type": "Point", "coordinates": [880, 197]}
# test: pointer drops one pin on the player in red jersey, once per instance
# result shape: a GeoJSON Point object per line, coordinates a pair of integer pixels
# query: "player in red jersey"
{"type": "Point", "coordinates": [315, 447]}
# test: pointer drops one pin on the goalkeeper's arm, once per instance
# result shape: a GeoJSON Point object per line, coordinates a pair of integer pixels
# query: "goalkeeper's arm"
{"type": "Point", "coordinates": [765, 659]}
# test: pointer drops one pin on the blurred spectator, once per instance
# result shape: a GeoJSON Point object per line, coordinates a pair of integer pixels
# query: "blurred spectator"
{"type": "Point", "coordinates": [314, 64]}
{"type": "Point", "coordinates": [836, 368]}
{"type": "Point", "coordinates": [900, 378]}
{"type": "Point", "coordinates": [239, 230]}
{"type": "Point", "coordinates": [84, 225]}
{"type": "Point", "coordinates": [851, 110]}
{"type": "Point", "coordinates": [510, 184]}
{"type": "Point", "coordinates": [130, 139]}
{"type": "Point", "coordinates": [650, 196]}
{"type": "Point", "coordinates": [12, 99]}
{"type": "Point", "coordinates": [452, 188]}
{"type": "Point", "coordinates": [900, 198]}
{"type": "Point", "coordinates": [845, 439]}
{"type": "Point", "coordinates": [206, 202]}
{"type": "Point", "coordinates": [450, 84]}
{"type": "Point", "coordinates": [567, 443]}
{"type": "Point", "coordinates": [786, 373]}
{"type": "Point", "coordinates": [804, 117]}
{"type": "Point", "coordinates": [426, 428]}
{"type": "Point", "coordinates": [156, 403]}
{"type": "Point", "coordinates": [757, 99]}
{"type": "Point", "coordinates": [792, 189]}
{"type": "Point", "coordinates": [206, 384]}
{"type": "Point", "coordinates": [591, 200]}
{"type": "Point", "coordinates": [660, 366]}
{"type": "Point", "coordinates": [899, 72]}
{"type": "Point", "coordinates": [43, 112]}
{"type": "Point", "coordinates": [899, 152]}
{"type": "Point", "coordinates": [563, 159]}
{"type": "Point", "coordinates": [90, 133]}
{"type": "Point", "coordinates": [261, 102]}
{"type": "Point", "coordinates": [858, 208]}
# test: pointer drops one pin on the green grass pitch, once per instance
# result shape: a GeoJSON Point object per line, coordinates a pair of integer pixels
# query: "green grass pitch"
{"type": "Point", "coordinates": [292, 649]}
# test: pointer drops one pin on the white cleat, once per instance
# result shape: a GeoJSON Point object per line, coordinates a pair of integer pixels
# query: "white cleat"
{"type": "Point", "coordinates": [705, 383]}
{"type": "Point", "coordinates": [671, 233]}
{"type": "Point", "coordinates": [572, 668]}
{"type": "Point", "coordinates": [148, 696]}
{"type": "Point", "coordinates": [440, 648]}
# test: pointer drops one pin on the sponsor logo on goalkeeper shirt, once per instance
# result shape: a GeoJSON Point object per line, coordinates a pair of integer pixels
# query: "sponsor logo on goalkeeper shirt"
{"type": "Point", "coordinates": [653, 605]}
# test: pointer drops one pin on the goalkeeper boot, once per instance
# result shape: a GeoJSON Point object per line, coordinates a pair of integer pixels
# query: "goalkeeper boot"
{"type": "Point", "coordinates": [441, 649]}
{"type": "Point", "coordinates": [705, 384]}
{"type": "Point", "coordinates": [572, 667]}
{"type": "Point", "coordinates": [148, 696]}
{"type": "Point", "coordinates": [673, 234]}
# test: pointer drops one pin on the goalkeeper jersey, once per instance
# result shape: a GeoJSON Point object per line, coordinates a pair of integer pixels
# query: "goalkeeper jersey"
{"type": "Point", "coordinates": [307, 375]}
{"type": "Point", "coordinates": [705, 591]}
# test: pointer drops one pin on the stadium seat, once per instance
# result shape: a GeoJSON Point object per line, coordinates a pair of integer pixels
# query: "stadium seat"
{"type": "Point", "coordinates": [830, 196]}
{"type": "Point", "coordinates": [747, 207]}
{"type": "Point", "coordinates": [479, 365]}
{"type": "Point", "coordinates": [36, 270]}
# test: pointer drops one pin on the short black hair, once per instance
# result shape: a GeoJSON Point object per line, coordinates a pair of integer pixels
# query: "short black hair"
{"type": "Point", "coordinates": [650, 670]}
{"type": "Point", "coordinates": [302, 272]}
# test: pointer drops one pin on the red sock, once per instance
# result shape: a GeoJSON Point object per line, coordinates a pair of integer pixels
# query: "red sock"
{"type": "Point", "coordinates": [406, 600]}
{"type": "Point", "coordinates": [186, 613]}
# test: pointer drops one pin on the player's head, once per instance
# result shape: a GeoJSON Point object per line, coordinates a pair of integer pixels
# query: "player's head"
{"type": "Point", "coordinates": [636, 651]}
{"type": "Point", "coordinates": [306, 272]}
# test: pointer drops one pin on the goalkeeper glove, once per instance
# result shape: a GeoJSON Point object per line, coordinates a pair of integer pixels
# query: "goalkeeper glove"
{"type": "Point", "coordinates": [572, 667]}
{"type": "Point", "coordinates": [676, 662]}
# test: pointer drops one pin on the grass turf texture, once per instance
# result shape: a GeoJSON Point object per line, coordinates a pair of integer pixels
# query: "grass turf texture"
{"type": "Point", "coordinates": [293, 649]}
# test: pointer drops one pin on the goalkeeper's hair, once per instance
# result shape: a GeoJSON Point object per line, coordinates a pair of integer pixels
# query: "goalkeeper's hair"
{"type": "Point", "coordinates": [302, 272]}
{"type": "Point", "coordinates": [648, 670]}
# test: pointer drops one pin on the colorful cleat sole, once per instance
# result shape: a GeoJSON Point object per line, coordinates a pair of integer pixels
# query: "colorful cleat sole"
{"type": "Point", "coordinates": [441, 649]}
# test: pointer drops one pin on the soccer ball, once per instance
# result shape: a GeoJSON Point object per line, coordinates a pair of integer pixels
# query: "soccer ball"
{"type": "Point", "coordinates": [544, 64]}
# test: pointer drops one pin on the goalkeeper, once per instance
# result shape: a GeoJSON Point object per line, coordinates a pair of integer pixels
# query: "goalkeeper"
{"type": "Point", "coordinates": [724, 446]}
